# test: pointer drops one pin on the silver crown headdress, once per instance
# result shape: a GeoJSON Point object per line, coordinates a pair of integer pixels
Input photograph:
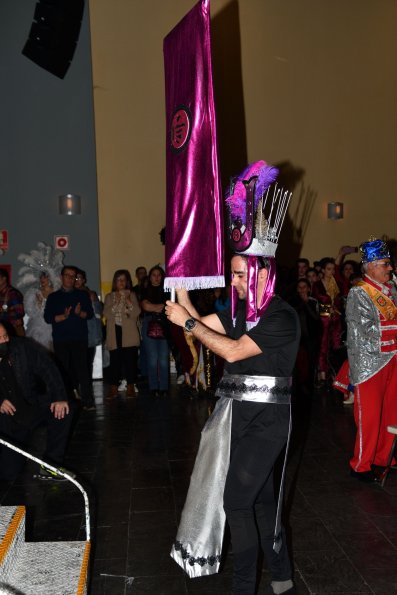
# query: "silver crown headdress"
{"type": "Point", "coordinates": [256, 210]}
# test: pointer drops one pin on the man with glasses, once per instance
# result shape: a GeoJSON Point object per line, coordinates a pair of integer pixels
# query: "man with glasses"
{"type": "Point", "coordinates": [371, 315]}
{"type": "Point", "coordinates": [68, 310]}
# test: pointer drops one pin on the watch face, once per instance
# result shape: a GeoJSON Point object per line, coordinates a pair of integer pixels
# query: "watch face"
{"type": "Point", "coordinates": [190, 324]}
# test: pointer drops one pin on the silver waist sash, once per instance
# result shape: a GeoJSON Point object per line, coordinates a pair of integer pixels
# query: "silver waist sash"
{"type": "Point", "coordinates": [259, 389]}
{"type": "Point", "coordinates": [198, 545]}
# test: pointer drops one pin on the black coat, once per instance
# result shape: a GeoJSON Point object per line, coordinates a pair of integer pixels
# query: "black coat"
{"type": "Point", "coordinates": [36, 374]}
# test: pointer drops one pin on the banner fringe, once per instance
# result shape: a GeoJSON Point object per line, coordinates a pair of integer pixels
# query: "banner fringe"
{"type": "Point", "coordinates": [194, 282]}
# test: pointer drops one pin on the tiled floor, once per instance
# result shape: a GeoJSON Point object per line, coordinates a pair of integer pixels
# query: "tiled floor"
{"type": "Point", "coordinates": [135, 457]}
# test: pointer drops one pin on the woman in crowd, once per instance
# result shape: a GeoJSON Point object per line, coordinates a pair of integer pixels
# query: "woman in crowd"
{"type": "Point", "coordinates": [94, 324]}
{"type": "Point", "coordinates": [155, 332]}
{"type": "Point", "coordinates": [34, 301]}
{"type": "Point", "coordinates": [327, 293]}
{"type": "Point", "coordinates": [344, 269]}
{"type": "Point", "coordinates": [312, 276]}
{"type": "Point", "coordinates": [121, 310]}
{"type": "Point", "coordinates": [309, 316]}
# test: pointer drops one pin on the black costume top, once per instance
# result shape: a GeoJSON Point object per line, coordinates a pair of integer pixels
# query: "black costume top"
{"type": "Point", "coordinates": [277, 334]}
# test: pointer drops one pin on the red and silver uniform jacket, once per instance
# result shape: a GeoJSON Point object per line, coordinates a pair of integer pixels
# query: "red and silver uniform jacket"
{"type": "Point", "coordinates": [371, 334]}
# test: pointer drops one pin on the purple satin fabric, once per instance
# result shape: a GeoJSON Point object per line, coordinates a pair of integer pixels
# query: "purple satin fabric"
{"type": "Point", "coordinates": [194, 225]}
{"type": "Point", "coordinates": [253, 312]}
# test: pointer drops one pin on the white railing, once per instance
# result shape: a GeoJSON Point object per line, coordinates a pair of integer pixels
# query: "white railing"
{"type": "Point", "coordinates": [58, 472]}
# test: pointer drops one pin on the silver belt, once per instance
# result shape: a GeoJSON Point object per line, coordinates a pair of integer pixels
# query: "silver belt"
{"type": "Point", "coordinates": [259, 389]}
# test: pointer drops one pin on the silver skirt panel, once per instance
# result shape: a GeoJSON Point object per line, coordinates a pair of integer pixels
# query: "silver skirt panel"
{"type": "Point", "coordinates": [198, 545]}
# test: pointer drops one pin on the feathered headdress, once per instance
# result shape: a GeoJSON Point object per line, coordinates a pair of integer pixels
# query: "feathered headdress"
{"type": "Point", "coordinates": [45, 259]}
{"type": "Point", "coordinates": [256, 213]}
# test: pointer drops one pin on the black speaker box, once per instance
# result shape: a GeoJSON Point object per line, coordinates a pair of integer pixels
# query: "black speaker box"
{"type": "Point", "coordinates": [54, 34]}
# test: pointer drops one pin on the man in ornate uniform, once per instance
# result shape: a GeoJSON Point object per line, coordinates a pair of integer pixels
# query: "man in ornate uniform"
{"type": "Point", "coordinates": [371, 316]}
{"type": "Point", "coordinates": [250, 426]}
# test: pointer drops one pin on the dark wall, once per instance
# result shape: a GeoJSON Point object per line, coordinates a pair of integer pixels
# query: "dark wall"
{"type": "Point", "coordinates": [47, 146]}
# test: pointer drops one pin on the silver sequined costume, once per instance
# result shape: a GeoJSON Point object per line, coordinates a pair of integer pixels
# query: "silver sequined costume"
{"type": "Point", "coordinates": [364, 335]}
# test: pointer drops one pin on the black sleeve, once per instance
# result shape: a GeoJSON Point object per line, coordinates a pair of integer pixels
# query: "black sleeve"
{"type": "Point", "coordinates": [50, 310]}
{"type": "Point", "coordinates": [275, 330]}
{"type": "Point", "coordinates": [225, 317]}
{"type": "Point", "coordinates": [43, 366]}
{"type": "Point", "coordinates": [86, 305]}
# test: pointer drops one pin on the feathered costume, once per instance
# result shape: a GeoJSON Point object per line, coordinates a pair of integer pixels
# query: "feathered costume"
{"type": "Point", "coordinates": [46, 260]}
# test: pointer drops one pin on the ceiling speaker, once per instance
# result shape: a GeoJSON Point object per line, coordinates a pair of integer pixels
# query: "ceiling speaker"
{"type": "Point", "coordinates": [54, 34]}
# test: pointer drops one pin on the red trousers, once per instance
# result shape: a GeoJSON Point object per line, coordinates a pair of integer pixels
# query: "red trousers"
{"type": "Point", "coordinates": [341, 381]}
{"type": "Point", "coordinates": [375, 408]}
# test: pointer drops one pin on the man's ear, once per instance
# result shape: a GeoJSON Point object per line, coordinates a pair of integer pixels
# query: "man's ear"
{"type": "Point", "coordinates": [262, 275]}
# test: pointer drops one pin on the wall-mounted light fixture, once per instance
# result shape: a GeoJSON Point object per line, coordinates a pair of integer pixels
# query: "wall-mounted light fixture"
{"type": "Point", "coordinates": [335, 210]}
{"type": "Point", "coordinates": [70, 204]}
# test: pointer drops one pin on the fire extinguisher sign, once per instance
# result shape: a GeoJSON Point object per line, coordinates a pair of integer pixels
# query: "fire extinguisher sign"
{"type": "Point", "coordinates": [3, 239]}
{"type": "Point", "coordinates": [62, 242]}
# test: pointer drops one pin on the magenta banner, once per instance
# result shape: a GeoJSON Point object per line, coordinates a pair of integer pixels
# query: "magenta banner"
{"type": "Point", "coordinates": [194, 226]}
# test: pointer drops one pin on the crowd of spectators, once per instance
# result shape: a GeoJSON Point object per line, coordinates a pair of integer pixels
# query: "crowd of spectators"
{"type": "Point", "coordinates": [68, 323]}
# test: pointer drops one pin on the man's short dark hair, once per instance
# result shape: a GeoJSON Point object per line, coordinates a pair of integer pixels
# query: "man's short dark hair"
{"type": "Point", "coordinates": [70, 267]}
{"type": "Point", "coordinates": [263, 262]}
{"type": "Point", "coordinates": [4, 273]}
{"type": "Point", "coordinates": [305, 281]}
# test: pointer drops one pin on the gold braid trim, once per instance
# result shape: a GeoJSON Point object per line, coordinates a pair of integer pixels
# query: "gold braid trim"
{"type": "Point", "coordinates": [84, 570]}
{"type": "Point", "coordinates": [11, 531]}
{"type": "Point", "coordinates": [381, 301]}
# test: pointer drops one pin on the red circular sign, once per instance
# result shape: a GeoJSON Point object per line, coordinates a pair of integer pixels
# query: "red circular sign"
{"type": "Point", "coordinates": [236, 234]}
{"type": "Point", "coordinates": [180, 128]}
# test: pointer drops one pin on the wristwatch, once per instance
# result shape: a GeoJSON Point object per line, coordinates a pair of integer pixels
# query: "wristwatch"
{"type": "Point", "coordinates": [190, 323]}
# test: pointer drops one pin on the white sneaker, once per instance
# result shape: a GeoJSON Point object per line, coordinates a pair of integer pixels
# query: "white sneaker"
{"type": "Point", "coordinates": [349, 400]}
{"type": "Point", "coordinates": [180, 379]}
{"type": "Point", "coordinates": [122, 386]}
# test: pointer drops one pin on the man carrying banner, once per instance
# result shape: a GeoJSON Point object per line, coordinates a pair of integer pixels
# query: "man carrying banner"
{"type": "Point", "coordinates": [250, 426]}
{"type": "Point", "coordinates": [371, 316]}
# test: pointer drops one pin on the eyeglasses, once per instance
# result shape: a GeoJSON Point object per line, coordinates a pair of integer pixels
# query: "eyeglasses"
{"type": "Point", "coordinates": [385, 264]}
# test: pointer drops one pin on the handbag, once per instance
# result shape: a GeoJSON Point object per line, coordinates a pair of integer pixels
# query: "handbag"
{"type": "Point", "coordinates": [155, 328]}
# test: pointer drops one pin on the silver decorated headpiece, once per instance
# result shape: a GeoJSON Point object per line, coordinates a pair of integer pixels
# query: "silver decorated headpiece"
{"type": "Point", "coordinates": [257, 209]}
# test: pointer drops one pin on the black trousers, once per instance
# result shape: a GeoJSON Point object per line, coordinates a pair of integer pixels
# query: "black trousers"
{"type": "Point", "coordinates": [259, 434]}
{"type": "Point", "coordinates": [72, 357]}
{"type": "Point", "coordinates": [123, 361]}
{"type": "Point", "coordinates": [19, 431]}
